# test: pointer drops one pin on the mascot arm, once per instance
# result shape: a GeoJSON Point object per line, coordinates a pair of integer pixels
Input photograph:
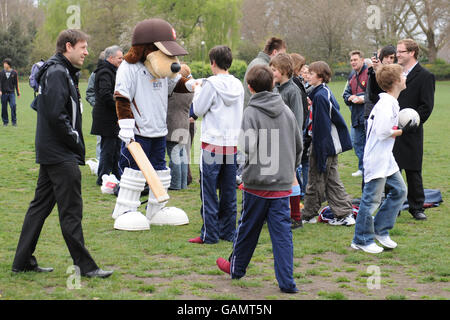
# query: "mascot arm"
{"type": "Point", "coordinates": [126, 118]}
{"type": "Point", "coordinates": [181, 86]}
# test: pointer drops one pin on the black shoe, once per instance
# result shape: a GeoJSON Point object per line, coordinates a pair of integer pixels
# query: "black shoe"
{"type": "Point", "coordinates": [98, 273]}
{"type": "Point", "coordinates": [35, 269]}
{"type": "Point", "coordinates": [294, 290]}
{"type": "Point", "coordinates": [296, 223]}
{"type": "Point", "coordinates": [419, 215]}
{"type": "Point", "coordinates": [14, 124]}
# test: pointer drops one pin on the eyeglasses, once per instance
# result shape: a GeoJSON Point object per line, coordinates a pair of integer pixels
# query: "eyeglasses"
{"type": "Point", "coordinates": [402, 51]}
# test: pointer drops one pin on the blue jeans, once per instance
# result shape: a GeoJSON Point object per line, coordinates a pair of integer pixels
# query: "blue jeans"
{"type": "Point", "coordinates": [218, 171]}
{"type": "Point", "coordinates": [358, 135]}
{"type": "Point", "coordinates": [11, 98]}
{"type": "Point", "coordinates": [256, 210]}
{"type": "Point", "coordinates": [178, 165]}
{"type": "Point", "coordinates": [366, 227]}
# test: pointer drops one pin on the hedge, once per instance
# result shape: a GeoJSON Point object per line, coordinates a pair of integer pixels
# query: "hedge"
{"type": "Point", "coordinates": [203, 70]}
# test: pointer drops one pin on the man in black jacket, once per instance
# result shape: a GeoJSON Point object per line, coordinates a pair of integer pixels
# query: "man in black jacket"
{"type": "Point", "coordinates": [408, 149]}
{"type": "Point", "coordinates": [59, 151]}
{"type": "Point", "coordinates": [9, 82]}
{"type": "Point", "coordinates": [104, 116]}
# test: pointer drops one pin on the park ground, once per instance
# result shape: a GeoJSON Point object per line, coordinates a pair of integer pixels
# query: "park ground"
{"type": "Point", "coordinates": [160, 264]}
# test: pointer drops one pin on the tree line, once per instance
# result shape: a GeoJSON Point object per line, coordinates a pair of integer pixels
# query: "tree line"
{"type": "Point", "coordinates": [317, 29]}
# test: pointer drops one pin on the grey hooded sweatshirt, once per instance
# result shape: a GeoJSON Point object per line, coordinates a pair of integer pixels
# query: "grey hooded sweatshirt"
{"type": "Point", "coordinates": [272, 143]}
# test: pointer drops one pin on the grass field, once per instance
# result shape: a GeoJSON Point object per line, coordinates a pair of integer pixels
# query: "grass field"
{"type": "Point", "coordinates": [161, 264]}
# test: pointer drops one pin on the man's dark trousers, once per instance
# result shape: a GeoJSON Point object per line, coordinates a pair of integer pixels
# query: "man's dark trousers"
{"type": "Point", "coordinates": [57, 184]}
{"type": "Point", "coordinates": [11, 98]}
{"type": "Point", "coordinates": [109, 157]}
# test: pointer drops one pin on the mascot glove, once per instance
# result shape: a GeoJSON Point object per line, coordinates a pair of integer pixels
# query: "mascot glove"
{"type": "Point", "coordinates": [126, 133]}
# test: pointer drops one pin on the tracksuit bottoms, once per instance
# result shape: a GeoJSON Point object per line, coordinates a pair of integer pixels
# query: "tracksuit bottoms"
{"type": "Point", "coordinates": [218, 171]}
{"type": "Point", "coordinates": [255, 210]}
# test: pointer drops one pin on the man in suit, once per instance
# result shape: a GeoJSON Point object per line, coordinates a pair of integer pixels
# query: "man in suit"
{"type": "Point", "coordinates": [59, 151]}
{"type": "Point", "coordinates": [408, 149]}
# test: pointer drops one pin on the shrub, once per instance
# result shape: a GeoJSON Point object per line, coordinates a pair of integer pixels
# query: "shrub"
{"type": "Point", "coordinates": [202, 70]}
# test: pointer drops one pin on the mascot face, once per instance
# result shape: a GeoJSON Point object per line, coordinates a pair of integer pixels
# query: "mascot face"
{"type": "Point", "coordinates": [161, 65]}
{"type": "Point", "coordinates": [154, 44]}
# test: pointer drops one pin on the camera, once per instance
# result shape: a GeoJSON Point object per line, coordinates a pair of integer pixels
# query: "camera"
{"type": "Point", "coordinates": [375, 54]}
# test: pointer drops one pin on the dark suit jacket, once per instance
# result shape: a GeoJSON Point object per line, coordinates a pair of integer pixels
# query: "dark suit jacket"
{"type": "Point", "coordinates": [418, 95]}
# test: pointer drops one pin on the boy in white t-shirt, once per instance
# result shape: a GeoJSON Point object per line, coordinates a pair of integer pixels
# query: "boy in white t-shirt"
{"type": "Point", "coordinates": [380, 168]}
{"type": "Point", "coordinates": [220, 101]}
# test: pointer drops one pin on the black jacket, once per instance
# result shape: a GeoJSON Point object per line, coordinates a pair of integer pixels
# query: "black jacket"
{"type": "Point", "coordinates": [104, 115]}
{"type": "Point", "coordinates": [372, 91]}
{"type": "Point", "coordinates": [419, 95]}
{"type": "Point", "coordinates": [59, 136]}
{"type": "Point", "coordinates": [11, 84]}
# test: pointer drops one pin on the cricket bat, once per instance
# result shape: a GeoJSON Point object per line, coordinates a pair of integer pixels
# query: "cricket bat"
{"type": "Point", "coordinates": [148, 171]}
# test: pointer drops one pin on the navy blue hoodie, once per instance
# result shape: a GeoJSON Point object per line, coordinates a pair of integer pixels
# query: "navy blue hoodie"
{"type": "Point", "coordinates": [329, 131]}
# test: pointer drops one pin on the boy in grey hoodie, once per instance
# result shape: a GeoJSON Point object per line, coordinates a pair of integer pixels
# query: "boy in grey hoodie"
{"type": "Point", "coordinates": [219, 100]}
{"type": "Point", "coordinates": [273, 149]}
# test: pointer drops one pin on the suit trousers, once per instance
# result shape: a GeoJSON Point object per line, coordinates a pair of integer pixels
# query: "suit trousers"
{"type": "Point", "coordinates": [57, 184]}
{"type": "Point", "coordinates": [416, 194]}
{"type": "Point", "coordinates": [109, 157]}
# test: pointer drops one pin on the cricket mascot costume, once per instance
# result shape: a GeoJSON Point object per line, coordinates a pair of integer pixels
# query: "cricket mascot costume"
{"type": "Point", "coordinates": [144, 81]}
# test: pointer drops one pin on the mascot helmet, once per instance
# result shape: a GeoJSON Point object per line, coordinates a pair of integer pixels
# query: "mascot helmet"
{"type": "Point", "coordinates": [159, 32]}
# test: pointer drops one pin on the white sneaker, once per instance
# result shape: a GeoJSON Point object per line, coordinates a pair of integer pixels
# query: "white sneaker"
{"type": "Point", "coordinates": [357, 173]}
{"type": "Point", "coordinates": [370, 248]}
{"type": "Point", "coordinates": [312, 220]}
{"type": "Point", "coordinates": [347, 221]}
{"type": "Point", "coordinates": [386, 241]}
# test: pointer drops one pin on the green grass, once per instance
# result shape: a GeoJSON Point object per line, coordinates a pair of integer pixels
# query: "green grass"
{"type": "Point", "coordinates": [161, 264]}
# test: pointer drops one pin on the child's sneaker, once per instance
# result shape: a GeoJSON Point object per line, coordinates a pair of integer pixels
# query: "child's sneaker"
{"type": "Point", "coordinates": [223, 265]}
{"type": "Point", "coordinates": [370, 248]}
{"type": "Point", "coordinates": [311, 220]}
{"type": "Point", "coordinates": [347, 221]}
{"type": "Point", "coordinates": [386, 241]}
{"type": "Point", "coordinates": [296, 223]}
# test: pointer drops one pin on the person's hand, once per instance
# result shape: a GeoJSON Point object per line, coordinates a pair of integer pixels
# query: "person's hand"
{"type": "Point", "coordinates": [409, 127]}
{"type": "Point", "coordinates": [0, 93]}
{"type": "Point", "coordinates": [126, 133]}
{"type": "Point", "coordinates": [375, 63]}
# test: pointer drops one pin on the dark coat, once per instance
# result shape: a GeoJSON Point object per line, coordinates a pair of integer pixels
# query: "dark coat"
{"type": "Point", "coordinates": [59, 135]}
{"type": "Point", "coordinates": [418, 95]}
{"type": "Point", "coordinates": [104, 115]}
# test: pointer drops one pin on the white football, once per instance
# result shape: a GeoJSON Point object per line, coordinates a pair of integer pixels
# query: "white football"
{"type": "Point", "coordinates": [408, 114]}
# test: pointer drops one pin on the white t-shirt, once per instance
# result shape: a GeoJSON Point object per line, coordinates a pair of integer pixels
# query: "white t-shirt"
{"type": "Point", "coordinates": [379, 162]}
{"type": "Point", "coordinates": [148, 97]}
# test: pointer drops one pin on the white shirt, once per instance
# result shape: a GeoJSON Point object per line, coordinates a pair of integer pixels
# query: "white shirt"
{"type": "Point", "coordinates": [148, 97]}
{"type": "Point", "coordinates": [379, 162]}
{"type": "Point", "coordinates": [220, 101]}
